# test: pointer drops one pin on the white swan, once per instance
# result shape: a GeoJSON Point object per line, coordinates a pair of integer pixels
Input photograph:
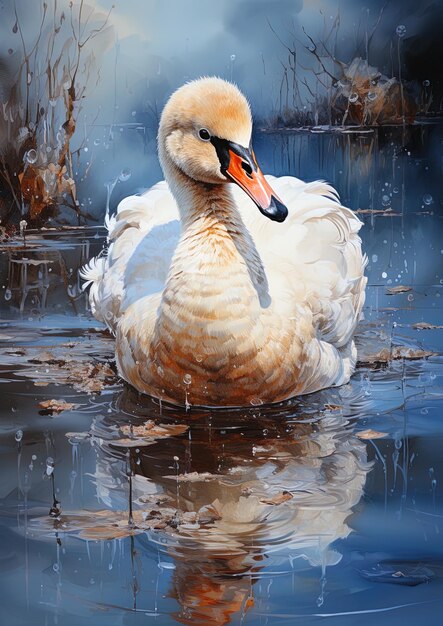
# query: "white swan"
{"type": "Point", "coordinates": [213, 302]}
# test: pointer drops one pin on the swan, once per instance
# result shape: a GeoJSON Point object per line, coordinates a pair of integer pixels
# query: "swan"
{"type": "Point", "coordinates": [213, 302]}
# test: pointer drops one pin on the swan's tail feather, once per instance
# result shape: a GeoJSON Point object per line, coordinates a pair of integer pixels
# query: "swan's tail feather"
{"type": "Point", "coordinates": [92, 274]}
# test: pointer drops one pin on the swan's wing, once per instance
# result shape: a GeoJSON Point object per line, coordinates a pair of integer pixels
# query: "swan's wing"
{"type": "Point", "coordinates": [317, 250]}
{"type": "Point", "coordinates": [142, 238]}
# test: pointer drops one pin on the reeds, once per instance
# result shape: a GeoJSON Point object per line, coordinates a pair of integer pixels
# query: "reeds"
{"type": "Point", "coordinates": [49, 78]}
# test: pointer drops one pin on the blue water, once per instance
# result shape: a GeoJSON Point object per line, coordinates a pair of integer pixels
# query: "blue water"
{"type": "Point", "coordinates": [262, 515]}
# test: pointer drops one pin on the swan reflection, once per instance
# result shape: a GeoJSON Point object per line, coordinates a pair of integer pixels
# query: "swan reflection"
{"type": "Point", "coordinates": [232, 497]}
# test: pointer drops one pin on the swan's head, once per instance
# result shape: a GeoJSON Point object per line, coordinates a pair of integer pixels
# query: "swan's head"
{"type": "Point", "coordinates": [205, 133]}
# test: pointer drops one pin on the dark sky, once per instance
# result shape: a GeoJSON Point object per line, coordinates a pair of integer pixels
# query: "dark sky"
{"type": "Point", "coordinates": [153, 46]}
{"type": "Point", "coordinates": [162, 43]}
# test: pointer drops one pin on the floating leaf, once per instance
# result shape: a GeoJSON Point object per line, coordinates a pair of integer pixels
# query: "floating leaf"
{"type": "Point", "coordinates": [284, 496]}
{"type": "Point", "coordinates": [425, 326]}
{"type": "Point", "coordinates": [193, 477]}
{"type": "Point", "coordinates": [151, 430]}
{"type": "Point", "coordinates": [56, 406]}
{"type": "Point", "coordinates": [392, 291]}
{"type": "Point", "coordinates": [398, 352]}
{"type": "Point", "coordinates": [403, 352]}
{"type": "Point", "coordinates": [370, 434]}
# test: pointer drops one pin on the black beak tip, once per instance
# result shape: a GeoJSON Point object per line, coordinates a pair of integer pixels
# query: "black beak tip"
{"type": "Point", "coordinates": [276, 211]}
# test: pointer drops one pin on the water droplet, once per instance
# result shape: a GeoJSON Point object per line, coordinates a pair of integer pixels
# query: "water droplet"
{"type": "Point", "coordinates": [8, 294]}
{"type": "Point", "coordinates": [384, 275]}
{"type": "Point", "coordinates": [410, 297]}
{"type": "Point", "coordinates": [49, 465]}
{"type": "Point", "coordinates": [72, 291]}
{"type": "Point", "coordinates": [34, 457]}
{"type": "Point", "coordinates": [10, 51]}
{"type": "Point", "coordinates": [125, 175]}
{"type": "Point", "coordinates": [15, 27]}
{"type": "Point", "coordinates": [374, 258]}
{"type": "Point", "coordinates": [187, 379]}
{"type": "Point", "coordinates": [426, 83]}
{"type": "Point", "coordinates": [395, 190]}
{"type": "Point", "coordinates": [85, 149]}
{"type": "Point", "coordinates": [56, 567]}
{"type": "Point", "coordinates": [160, 370]}
{"type": "Point", "coordinates": [386, 200]}
{"type": "Point", "coordinates": [175, 458]}
{"type": "Point", "coordinates": [371, 96]}
{"type": "Point", "coordinates": [233, 57]}
{"type": "Point", "coordinates": [19, 436]}
{"type": "Point", "coordinates": [134, 113]}
{"type": "Point", "coordinates": [96, 142]}
{"type": "Point", "coordinates": [31, 156]}
{"type": "Point", "coordinates": [401, 30]}
{"type": "Point", "coordinates": [353, 97]}
{"type": "Point", "coordinates": [198, 358]}
{"type": "Point", "coordinates": [428, 199]}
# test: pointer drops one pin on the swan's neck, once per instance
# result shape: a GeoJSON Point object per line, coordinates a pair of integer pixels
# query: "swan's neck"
{"type": "Point", "coordinates": [215, 247]}
{"type": "Point", "coordinates": [210, 317]}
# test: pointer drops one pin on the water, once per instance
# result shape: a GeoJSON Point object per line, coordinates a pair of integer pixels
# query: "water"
{"type": "Point", "coordinates": [121, 509]}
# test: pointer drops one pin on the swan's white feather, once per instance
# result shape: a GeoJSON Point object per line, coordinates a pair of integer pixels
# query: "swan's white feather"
{"type": "Point", "coordinates": [318, 249]}
{"type": "Point", "coordinates": [142, 238]}
{"type": "Point", "coordinates": [314, 256]}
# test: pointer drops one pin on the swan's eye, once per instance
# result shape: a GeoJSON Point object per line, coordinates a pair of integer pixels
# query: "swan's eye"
{"type": "Point", "coordinates": [204, 134]}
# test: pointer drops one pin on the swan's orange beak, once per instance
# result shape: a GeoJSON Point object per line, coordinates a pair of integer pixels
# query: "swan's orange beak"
{"type": "Point", "coordinates": [240, 165]}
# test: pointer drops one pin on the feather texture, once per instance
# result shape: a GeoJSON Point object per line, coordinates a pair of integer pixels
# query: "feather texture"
{"type": "Point", "coordinates": [313, 268]}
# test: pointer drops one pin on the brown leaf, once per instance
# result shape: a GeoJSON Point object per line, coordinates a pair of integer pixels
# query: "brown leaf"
{"type": "Point", "coordinates": [425, 326]}
{"type": "Point", "coordinates": [392, 291]}
{"type": "Point", "coordinates": [333, 407]}
{"type": "Point", "coordinates": [398, 352]}
{"type": "Point", "coordinates": [89, 377]}
{"type": "Point", "coordinates": [192, 477]}
{"type": "Point", "coordinates": [151, 430]}
{"type": "Point", "coordinates": [404, 352]}
{"type": "Point", "coordinates": [56, 406]}
{"type": "Point", "coordinates": [284, 496]}
{"type": "Point", "coordinates": [370, 434]}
